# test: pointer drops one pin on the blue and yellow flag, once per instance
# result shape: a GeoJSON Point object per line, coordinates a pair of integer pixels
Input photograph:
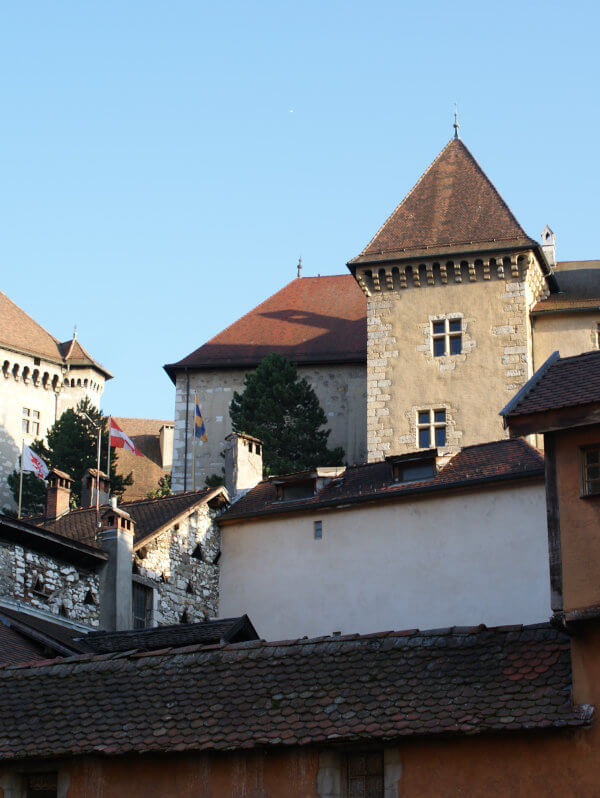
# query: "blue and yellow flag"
{"type": "Point", "coordinates": [199, 428]}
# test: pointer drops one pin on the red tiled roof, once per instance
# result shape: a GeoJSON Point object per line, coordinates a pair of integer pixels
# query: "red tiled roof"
{"type": "Point", "coordinates": [567, 382]}
{"type": "Point", "coordinates": [473, 465]}
{"type": "Point", "coordinates": [347, 689]}
{"type": "Point", "coordinates": [579, 288]}
{"type": "Point", "coordinates": [150, 515]}
{"type": "Point", "coordinates": [15, 647]}
{"type": "Point", "coordinates": [147, 470]}
{"type": "Point", "coordinates": [311, 320]}
{"type": "Point", "coordinates": [19, 332]}
{"type": "Point", "coordinates": [454, 203]}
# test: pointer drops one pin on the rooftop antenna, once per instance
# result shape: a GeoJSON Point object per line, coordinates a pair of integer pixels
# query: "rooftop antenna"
{"type": "Point", "coordinates": [456, 125]}
{"type": "Point", "coordinates": [300, 266]}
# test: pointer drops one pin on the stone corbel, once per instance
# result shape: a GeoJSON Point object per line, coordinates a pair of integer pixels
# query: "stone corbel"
{"type": "Point", "coordinates": [457, 272]}
{"type": "Point", "coordinates": [416, 276]}
{"type": "Point", "coordinates": [430, 278]}
{"type": "Point", "coordinates": [472, 271]}
{"type": "Point", "coordinates": [500, 268]}
{"type": "Point", "coordinates": [443, 274]}
{"type": "Point", "coordinates": [402, 276]}
{"type": "Point", "coordinates": [376, 284]}
{"type": "Point", "coordinates": [486, 269]}
{"type": "Point", "coordinates": [514, 266]}
{"type": "Point", "coordinates": [362, 284]}
{"type": "Point", "coordinates": [389, 280]}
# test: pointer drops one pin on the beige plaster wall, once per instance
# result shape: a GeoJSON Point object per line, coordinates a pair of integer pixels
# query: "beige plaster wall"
{"type": "Point", "coordinates": [477, 557]}
{"type": "Point", "coordinates": [403, 376]}
{"type": "Point", "coordinates": [569, 333]}
{"type": "Point", "coordinates": [341, 390]}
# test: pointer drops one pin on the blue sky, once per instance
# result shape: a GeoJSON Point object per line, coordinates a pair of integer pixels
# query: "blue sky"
{"type": "Point", "coordinates": [163, 165]}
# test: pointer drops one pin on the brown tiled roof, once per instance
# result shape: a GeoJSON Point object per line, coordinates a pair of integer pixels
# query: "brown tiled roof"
{"type": "Point", "coordinates": [347, 689]}
{"type": "Point", "coordinates": [150, 516]}
{"type": "Point", "coordinates": [19, 332]}
{"type": "Point", "coordinates": [311, 320]}
{"type": "Point", "coordinates": [15, 647]}
{"type": "Point", "coordinates": [76, 355]}
{"type": "Point", "coordinates": [579, 286]}
{"type": "Point", "coordinates": [566, 382]}
{"type": "Point", "coordinates": [147, 470]}
{"type": "Point", "coordinates": [222, 630]}
{"type": "Point", "coordinates": [472, 466]}
{"type": "Point", "coordinates": [57, 637]}
{"type": "Point", "coordinates": [453, 204]}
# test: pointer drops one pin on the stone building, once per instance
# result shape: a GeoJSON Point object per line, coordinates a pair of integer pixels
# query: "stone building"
{"type": "Point", "coordinates": [41, 378]}
{"type": "Point", "coordinates": [154, 439]}
{"type": "Point", "coordinates": [460, 306]}
{"type": "Point", "coordinates": [318, 323]}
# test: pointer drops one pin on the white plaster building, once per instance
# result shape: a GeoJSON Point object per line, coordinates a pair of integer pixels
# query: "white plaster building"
{"type": "Point", "coordinates": [402, 543]}
{"type": "Point", "coordinates": [40, 378]}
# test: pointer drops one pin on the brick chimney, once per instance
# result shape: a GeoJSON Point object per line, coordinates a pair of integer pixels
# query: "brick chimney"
{"type": "Point", "coordinates": [166, 446]}
{"type": "Point", "coordinates": [117, 530]}
{"type": "Point", "coordinates": [243, 464]}
{"type": "Point", "coordinates": [58, 494]}
{"type": "Point", "coordinates": [88, 488]}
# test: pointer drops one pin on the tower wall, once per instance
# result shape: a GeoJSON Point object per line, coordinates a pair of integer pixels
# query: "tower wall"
{"type": "Point", "coordinates": [491, 297]}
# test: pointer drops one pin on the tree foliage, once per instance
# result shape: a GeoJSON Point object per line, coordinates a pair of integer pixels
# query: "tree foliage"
{"type": "Point", "coordinates": [72, 446]}
{"type": "Point", "coordinates": [282, 409]}
{"type": "Point", "coordinates": [163, 489]}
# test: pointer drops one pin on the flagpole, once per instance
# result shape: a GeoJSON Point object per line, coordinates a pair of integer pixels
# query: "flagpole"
{"type": "Point", "coordinates": [108, 454]}
{"type": "Point", "coordinates": [194, 445]}
{"type": "Point", "coordinates": [98, 476]}
{"type": "Point", "coordinates": [21, 478]}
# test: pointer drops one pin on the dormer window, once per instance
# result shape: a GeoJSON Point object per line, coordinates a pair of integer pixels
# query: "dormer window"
{"type": "Point", "coordinates": [413, 467]}
{"type": "Point", "coordinates": [296, 490]}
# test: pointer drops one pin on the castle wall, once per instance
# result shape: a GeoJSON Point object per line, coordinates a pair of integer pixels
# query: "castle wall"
{"type": "Point", "coordinates": [181, 581]}
{"type": "Point", "coordinates": [492, 302]}
{"type": "Point", "coordinates": [30, 580]}
{"type": "Point", "coordinates": [341, 390]}
{"type": "Point", "coordinates": [41, 387]}
{"type": "Point", "coordinates": [569, 333]}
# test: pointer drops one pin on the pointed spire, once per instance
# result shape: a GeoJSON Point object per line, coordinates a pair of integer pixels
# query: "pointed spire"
{"type": "Point", "coordinates": [453, 205]}
{"type": "Point", "coordinates": [75, 333]}
{"type": "Point", "coordinates": [300, 266]}
{"type": "Point", "coordinates": [456, 125]}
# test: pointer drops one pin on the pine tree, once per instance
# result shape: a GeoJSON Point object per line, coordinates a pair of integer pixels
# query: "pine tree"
{"type": "Point", "coordinates": [282, 410]}
{"type": "Point", "coordinates": [72, 447]}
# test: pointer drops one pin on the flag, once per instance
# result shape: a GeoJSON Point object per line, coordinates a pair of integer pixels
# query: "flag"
{"type": "Point", "coordinates": [199, 428]}
{"type": "Point", "coordinates": [120, 440]}
{"type": "Point", "coordinates": [33, 462]}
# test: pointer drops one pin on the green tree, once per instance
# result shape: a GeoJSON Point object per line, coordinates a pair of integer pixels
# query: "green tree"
{"type": "Point", "coordinates": [163, 489]}
{"type": "Point", "coordinates": [282, 410]}
{"type": "Point", "coordinates": [72, 447]}
{"type": "Point", "coordinates": [214, 480]}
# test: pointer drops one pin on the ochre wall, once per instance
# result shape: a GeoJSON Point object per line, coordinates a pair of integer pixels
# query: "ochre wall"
{"type": "Point", "coordinates": [579, 521]}
{"type": "Point", "coordinates": [569, 333]}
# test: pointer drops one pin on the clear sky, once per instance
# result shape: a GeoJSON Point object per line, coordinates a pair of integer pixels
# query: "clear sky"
{"type": "Point", "coordinates": [164, 164]}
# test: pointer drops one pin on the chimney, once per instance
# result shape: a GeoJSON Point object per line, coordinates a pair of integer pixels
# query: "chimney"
{"type": "Point", "coordinates": [549, 245]}
{"type": "Point", "coordinates": [58, 494]}
{"type": "Point", "coordinates": [88, 488]}
{"type": "Point", "coordinates": [243, 464]}
{"type": "Point", "coordinates": [116, 534]}
{"type": "Point", "coordinates": [166, 446]}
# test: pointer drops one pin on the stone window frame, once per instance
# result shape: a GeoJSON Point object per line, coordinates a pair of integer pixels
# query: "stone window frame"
{"type": "Point", "coordinates": [432, 425]}
{"type": "Point", "coordinates": [30, 421]}
{"type": "Point", "coordinates": [447, 336]}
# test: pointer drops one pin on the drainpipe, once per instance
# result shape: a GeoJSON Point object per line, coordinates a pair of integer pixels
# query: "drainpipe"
{"type": "Point", "coordinates": [187, 416]}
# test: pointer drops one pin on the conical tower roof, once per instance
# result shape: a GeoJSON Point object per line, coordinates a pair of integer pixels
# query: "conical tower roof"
{"type": "Point", "coordinates": [454, 206]}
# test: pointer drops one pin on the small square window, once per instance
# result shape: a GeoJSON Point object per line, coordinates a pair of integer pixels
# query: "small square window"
{"type": "Point", "coordinates": [25, 425]}
{"type": "Point", "coordinates": [446, 337]}
{"type": "Point", "coordinates": [26, 411]}
{"type": "Point", "coordinates": [438, 327]}
{"type": "Point", "coordinates": [424, 438]}
{"type": "Point", "coordinates": [431, 426]}
{"type": "Point", "coordinates": [439, 347]}
{"type": "Point", "coordinates": [455, 345]}
{"type": "Point", "coordinates": [455, 325]}
{"type": "Point", "coordinates": [440, 436]}
{"type": "Point", "coordinates": [423, 416]}
{"type": "Point", "coordinates": [318, 530]}
{"type": "Point", "coordinates": [590, 471]}
{"type": "Point", "coordinates": [439, 416]}
{"type": "Point", "coordinates": [35, 413]}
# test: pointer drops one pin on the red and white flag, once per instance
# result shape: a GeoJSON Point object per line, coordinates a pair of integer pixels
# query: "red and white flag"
{"type": "Point", "coordinates": [33, 462]}
{"type": "Point", "coordinates": [120, 440]}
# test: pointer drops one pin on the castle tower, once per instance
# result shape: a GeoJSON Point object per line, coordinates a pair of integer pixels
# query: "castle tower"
{"type": "Point", "coordinates": [450, 279]}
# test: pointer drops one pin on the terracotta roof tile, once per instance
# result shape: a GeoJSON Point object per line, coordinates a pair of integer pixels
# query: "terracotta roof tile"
{"type": "Point", "coordinates": [454, 203]}
{"type": "Point", "coordinates": [579, 285]}
{"type": "Point", "coordinates": [18, 331]}
{"type": "Point", "coordinates": [568, 382]}
{"type": "Point", "coordinates": [150, 515]}
{"type": "Point", "coordinates": [346, 689]}
{"type": "Point", "coordinates": [310, 320]}
{"type": "Point", "coordinates": [473, 465]}
{"type": "Point", "coordinates": [15, 647]}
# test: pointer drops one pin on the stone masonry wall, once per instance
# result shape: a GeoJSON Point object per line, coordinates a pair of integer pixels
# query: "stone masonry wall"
{"type": "Point", "coordinates": [341, 390]}
{"type": "Point", "coordinates": [492, 297]}
{"type": "Point", "coordinates": [36, 580]}
{"type": "Point", "coordinates": [179, 564]}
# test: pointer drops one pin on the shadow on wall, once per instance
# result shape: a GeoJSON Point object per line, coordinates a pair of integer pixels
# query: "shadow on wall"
{"type": "Point", "coordinates": [9, 460]}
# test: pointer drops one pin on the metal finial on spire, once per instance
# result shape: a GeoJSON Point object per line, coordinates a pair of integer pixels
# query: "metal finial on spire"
{"type": "Point", "coordinates": [74, 332]}
{"type": "Point", "coordinates": [456, 125]}
{"type": "Point", "coordinates": [300, 266]}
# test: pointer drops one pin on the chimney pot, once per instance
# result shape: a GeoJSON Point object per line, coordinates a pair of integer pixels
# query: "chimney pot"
{"type": "Point", "coordinates": [58, 494]}
{"type": "Point", "coordinates": [243, 464]}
